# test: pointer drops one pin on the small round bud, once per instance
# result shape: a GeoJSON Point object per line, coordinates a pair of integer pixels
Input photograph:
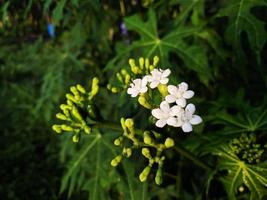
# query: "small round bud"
{"type": "Point", "coordinates": [57, 128]}
{"type": "Point", "coordinates": [118, 141]}
{"type": "Point", "coordinates": [129, 123]}
{"type": "Point", "coordinates": [146, 153]}
{"type": "Point", "coordinates": [114, 90]}
{"type": "Point", "coordinates": [65, 127]}
{"type": "Point", "coordinates": [76, 138]}
{"type": "Point", "coordinates": [155, 60]}
{"type": "Point", "coordinates": [169, 143]}
{"type": "Point", "coordinates": [61, 116]}
{"type": "Point", "coordinates": [116, 161]}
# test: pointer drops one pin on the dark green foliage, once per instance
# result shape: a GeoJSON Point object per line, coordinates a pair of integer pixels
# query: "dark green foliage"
{"type": "Point", "coordinates": [218, 47]}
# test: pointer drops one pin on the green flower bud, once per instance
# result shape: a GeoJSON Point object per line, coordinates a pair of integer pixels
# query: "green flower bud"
{"type": "Point", "coordinates": [87, 129]}
{"type": "Point", "coordinates": [57, 128]}
{"type": "Point", "coordinates": [143, 102]}
{"type": "Point", "coordinates": [155, 60]}
{"type": "Point", "coordinates": [127, 79]}
{"type": "Point", "coordinates": [69, 103]}
{"type": "Point", "coordinates": [65, 127]}
{"type": "Point", "coordinates": [76, 114]}
{"type": "Point", "coordinates": [147, 64]}
{"type": "Point", "coordinates": [163, 89]}
{"type": "Point", "coordinates": [81, 89]}
{"type": "Point", "coordinates": [169, 143]}
{"type": "Point", "coordinates": [124, 72]}
{"type": "Point", "coordinates": [127, 152]}
{"type": "Point", "coordinates": [144, 174]}
{"type": "Point", "coordinates": [141, 62]}
{"type": "Point", "coordinates": [129, 123]}
{"type": "Point", "coordinates": [71, 98]}
{"type": "Point", "coordinates": [116, 161]}
{"type": "Point", "coordinates": [132, 62]}
{"type": "Point", "coordinates": [119, 77]}
{"type": "Point", "coordinates": [64, 106]}
{"type": "Point", "coordinates": [114, 90]}
{"type": "Point", "coordinates": [147, 139]}
{"type": "Point", "coordinates": [123, 124]}
{"type": "Point", "coordinates": [118, 141]}
{"type": "Point", "coordinates": [158, 178]}
{"type": "Point", "coordinates": [146, 153]}
{"type": "Point", "coordinates": [76, 138]}
{"type": "Point", "coordinates": [74, 90]}
{"type": "Point", "coordinates": [61, 116]}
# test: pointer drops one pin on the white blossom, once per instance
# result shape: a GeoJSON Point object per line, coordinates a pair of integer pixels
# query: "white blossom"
{"type": "Point", "coordinates": [158, 76]}
{"type": "Point", "coordinates": [138, 86]}
{"type": "Point", "coordinates": [189, 119]}
{"type": "Point", "coordinates": [179, 94]}
{"type": "Point", "coordinates": [166, 115]}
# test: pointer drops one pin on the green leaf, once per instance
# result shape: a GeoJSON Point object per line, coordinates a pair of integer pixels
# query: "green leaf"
{"type": "Point", "coordinates": [58, 12]}
{"type": "Point", "coordinates": [253, 176]}
{"type": "Point", "coordinates": [150, 44]}
{"type": "Point", "coordinates": [241, 20]}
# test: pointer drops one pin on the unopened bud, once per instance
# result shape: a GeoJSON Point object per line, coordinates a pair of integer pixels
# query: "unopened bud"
{"type": "Point", "coordinates": [65, 127]}
{"type": "Point", "coordinates": [141, 62]}
{"type": "Point", "coordinates": [81, 89]}
{"type": "Point", "coordinates": [163, 89]}
{"type": "Point", "coordinates": [76, 114]}
{"type": "Point", "coordinates": [116, 161]}
{"type": "Point", "coordinates": [57, 128]}
{"type": "Point", "coordinates": [144, 174]}
{"type": "Point", "coordinates": [155, 60]}
{"type": "Point", "coordinates": [146, 153]}
{"type": "Point", "coordinates": [61, 116]}
{"type": "Point", "coordinates": [147, 138]}
{"type": "Point", "coordinates": [169, 143]}
{"type": "Point", "coordinates": [118, 141]}
{"type": "Point", "coordinates": [74, 90]}
{"type": "Point", "coordinates": [142, 101]}
{"type": "Point", "coordinates": [76, 138]}
{"type": "Point", "coordinates": [87, 129]}
{"type": "Point", "coordinates": [158, 178]}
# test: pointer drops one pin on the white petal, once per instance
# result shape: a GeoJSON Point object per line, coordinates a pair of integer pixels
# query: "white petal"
{"type": "Point", "coordinates": [183, 86]}
{"type": "Point", "coordinates": [176, 111]}
{"type": "Point", "coordinates": [190, 108]}
{"type": "Point", "coordinates": [129, 90]}
{"type": "Point", "coordinates": [164, 81]}
{"type": "Point", "coordinates": [166, 73]}
{"type": "Point", "coordinates": [171, 121]}
{"type": "Point", "coordinates": [188, 94]}
{"type": "Point", "coordinates": [172, 89]}
{"type": "Point", "coordinates": [137, 81]}
{"type": "Point", "coordinates": [157, 113]}
{"type": "Point", "coordinates": [160, 123]}
{"type": "Point", "coordinates": [135, 93]}
{"type": "Point", "coordinates": [164, 106]}
{"type": "Point", "coordinates": [187, 127]}
{"type": "Point", "coordinates": [195, 120]}
{"type": "Point", "coordinates": [181, 102]}
{"type": "Point", "coordinates": [154, 84]}
{"type": "Point", "coordinates": [143, 90]}
{"type": "Point", "coordinates": [144, 81]}
{"type": "Point", "coordinates": [170, 98]}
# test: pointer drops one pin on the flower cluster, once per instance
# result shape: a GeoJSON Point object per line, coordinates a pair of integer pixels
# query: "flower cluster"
{"type": "Point", "coordinates": [173, 110]}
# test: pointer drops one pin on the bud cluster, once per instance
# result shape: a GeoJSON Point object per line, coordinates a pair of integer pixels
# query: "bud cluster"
{"type": "Point", "coordinates": [247, 149]}
{"type": "Point", "coordinates": [147, 142]}
{"type": "Point", "coordinates": [77, 101]}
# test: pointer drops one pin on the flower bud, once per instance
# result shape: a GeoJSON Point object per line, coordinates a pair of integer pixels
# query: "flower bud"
{"type": "Point", "coordinates": [87, 129]}
{"type": "Point", "coordinates": [74, 90]}
{"type": "Point", "coordinates": [119, 77]}
{"type": "Point", "coordinates": [116, 161]}
{"type": "Point", "coordinates": [147, 139]}
{"type": "Point", "coordinates": [57, 128]}
{"type": "Point", "coordinates": [114, 90]}
{"type": "Point", "coordinates": [76, 138]}
{"type": "Point", "coordinates": [71, 98]}
{"type": "Point", "coordinates": [118, 141]}
{"type": "Point", "coordinates": [124, 72]}
{"type": "Point", "coordinates": [129, 123]}
{"type": "Point", "coordinates": [123, 124]}
{"type": "Point", "coordinates": [81, 88]}
{"type": "Point", "coordinates": [132, 62]}
{"type": "Point", "coordinates": [141, 62]}
{"type": "Point", "coordinates": [127, 152]}
{"type": "Point", "coordinates": [146, 153]}
{"type": "Point", "coordinates": [163, 89]}
{"type": "Point", "coordinates": [155, 60]}
{"type": "Point", "coordinates": [147, 63]}
{"type": "Point", "coordinates": [144, 174]}
{"type": "Point", "coordinates": [127, 79]}
{"type": "Point", "coordinates": [76, 114]}
{"type": "Point", "coordinates": [65, 127]}
{"type": "Point", "coordinates": [69, 103]}
{"type": "Point", "coordinates": [61, 116]}
{"type": "Point", "coordinates": [169, 143]}
{"type": "Point", "coordinates": [64, 106]}
{"type": "Point", "coordinates": [158, 178]}
{"type": "Point", "coordinates": [143, 102]}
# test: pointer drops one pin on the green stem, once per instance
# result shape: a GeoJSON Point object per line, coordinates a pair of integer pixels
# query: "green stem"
{"type": "Point", "coordinates": [187, 154]}
{"type": "Point", "coordinates": [178, 148]}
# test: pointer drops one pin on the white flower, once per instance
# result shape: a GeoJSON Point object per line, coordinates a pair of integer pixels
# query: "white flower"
{"type": "Point", "coordinates": [137, 86]}
{"type": "Point", "coordinates": [158, 76]}
{"type": "Point", "coordinates": [189, 118]}
{"type": "Point", "coordinates": [166, 115]}
{"type": "Point", "coordinates": [179, 94]}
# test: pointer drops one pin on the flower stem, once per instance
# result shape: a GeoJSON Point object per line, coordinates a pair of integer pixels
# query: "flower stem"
{"type": "Point", "coordinates": [178, 148]}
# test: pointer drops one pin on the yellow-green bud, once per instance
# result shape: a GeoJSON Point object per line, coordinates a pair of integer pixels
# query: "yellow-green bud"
{"type": "Point", "coordinates": [87, 129]}
{"type": "Point", "coordinates": [158, 178]}
{"type": "Point", "coordinates": [129, 123]}
{"type": "Point", "coordinates": [127, 152]}
{"type": "Point", "coordinates": [151, 67]}
{"type": "Point", "coordinates": [61, 116]}
{"type": "Point", "coordinates": [74, 90]}
{"type": "Point", "coordinates": [155, 60]}
{"type": "Point", "coordinates": [135, 70]}
{"type": "Point", "coordinates": [119, 77]}
{"type": "Point", "coordinates": [163, 89]}
{"type": "Point", "coordinates": [146, 153]}
{"type": "Point", "coordinates": [108, 86]}
{"type": "Point", "coordinates": [147, 138]}
{"type": "Point", "coordinates": [141, 62]}
{"type": "Point", "coordinates": [132, 62]}
{"type": "Point", "coordinates": [169, 143]}
{"type": "Point", "coordinates": [114, 90]}
{"type": "Point", "coordinates": [66, 112]}
{"type": "Point", "coordinates": [123, 124]}
{"type": "Point", "coordinates": [76, 138]}
{"type": "Point", "coordinates": [81, 89]}
{"type": "Point", "coordinates": [124, 72]}
{"type": "Point", "coordinates": [116, 161]}
{"type": "Point", "coordinates": [69, 102]}
{"type": "Point", "coordinates": [143, 102]}
{"type": "Point", "coordinates": [76, 114]}
{"type": "Point", "coordinates": [118, 141]}
{"type": "Point", "coordinates": [71, 98]}
{"type": "Point", "coordinates": [65, 127]}
{"type": "Point", "coordinates": [147, 63]}
{"type": "Point", "coordinates": [64, 106]}
{"type": "Point", "coordinates": [95, 81]}
{"type": "Point", "coordinates": [144, 174]}
{"type": "Point", "coordinates": [57, 128]}
{"type": "Point", "coordinates": [127, 79]}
